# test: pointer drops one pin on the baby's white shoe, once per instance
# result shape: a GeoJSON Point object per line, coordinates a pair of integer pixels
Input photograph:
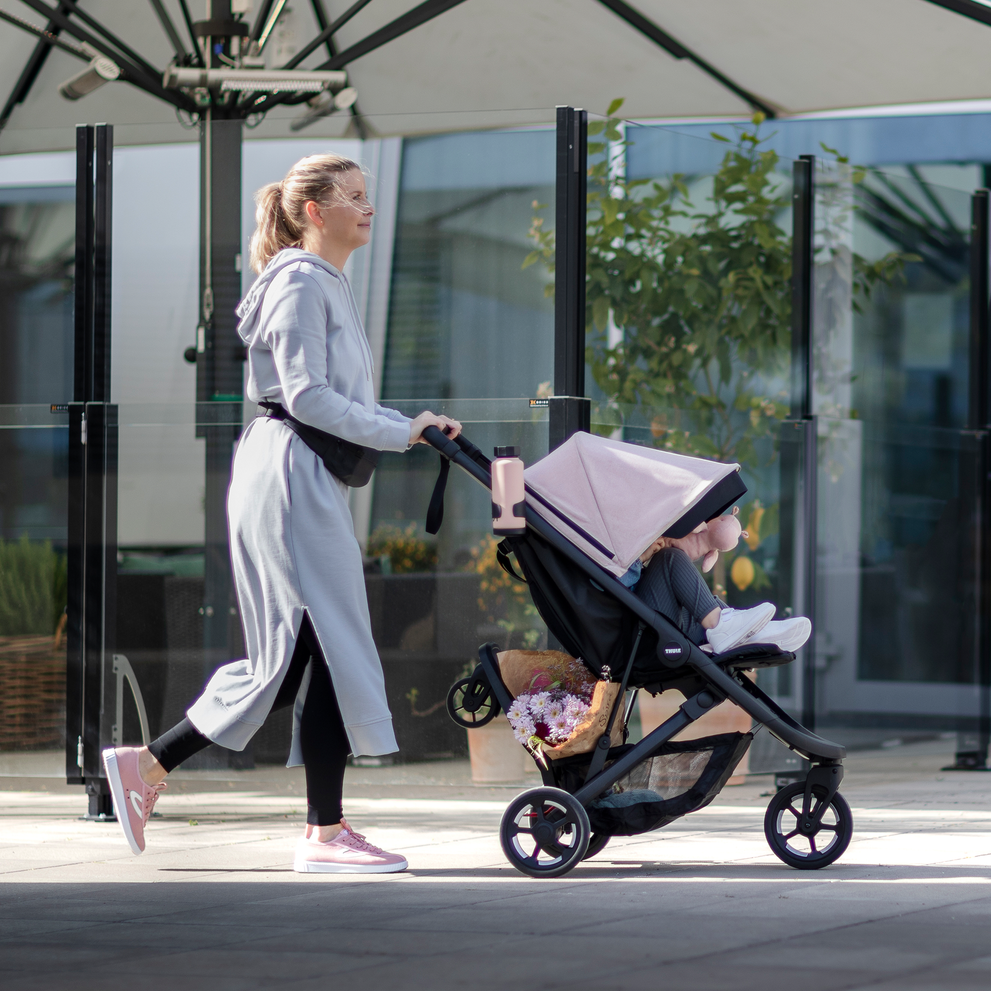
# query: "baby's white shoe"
{"type": "Point", "coordinates": [737, 626]}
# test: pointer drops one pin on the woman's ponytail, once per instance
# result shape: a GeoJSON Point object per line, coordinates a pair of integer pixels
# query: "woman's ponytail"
{"type": "Point", "coordinates": [272, 228]}
{"type": "Point", "coordinates": [280, 214]}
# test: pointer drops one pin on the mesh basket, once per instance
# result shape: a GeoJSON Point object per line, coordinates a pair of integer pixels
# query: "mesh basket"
{"type": "Point", "coordinates": [681, 778]}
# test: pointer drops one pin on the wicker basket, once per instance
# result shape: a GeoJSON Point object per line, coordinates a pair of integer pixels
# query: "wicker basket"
{"type": "Point", "coordinates": [32, 692]}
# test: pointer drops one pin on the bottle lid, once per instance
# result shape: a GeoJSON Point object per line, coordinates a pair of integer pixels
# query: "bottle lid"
{"type": "Point", "coordinates": [507, 452]}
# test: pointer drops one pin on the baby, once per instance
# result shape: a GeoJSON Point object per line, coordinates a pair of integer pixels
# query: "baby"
{"type": "Point", "coordinates": [665, 578]}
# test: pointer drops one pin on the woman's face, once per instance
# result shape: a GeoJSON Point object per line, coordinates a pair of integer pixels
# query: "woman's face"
{"type": "Point", "coordinates": [344, 221]}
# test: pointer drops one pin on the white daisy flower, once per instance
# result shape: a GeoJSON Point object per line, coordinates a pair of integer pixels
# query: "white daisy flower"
{"type": "Point", "coordinates": [517, 710]}
{"type": "Point", "coordinates": [539, 703]}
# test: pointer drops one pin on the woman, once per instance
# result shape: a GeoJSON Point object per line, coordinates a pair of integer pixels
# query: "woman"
{"type": "Point", "coordinates": [297, 565]}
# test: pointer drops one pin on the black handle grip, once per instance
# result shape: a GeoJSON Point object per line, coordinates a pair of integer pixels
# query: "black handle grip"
{"type": "Point", "coordinates": [436, 438]}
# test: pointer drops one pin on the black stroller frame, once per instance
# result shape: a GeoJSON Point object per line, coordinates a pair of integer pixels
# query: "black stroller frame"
{"type": "Point", "coordinates": [553, 820]}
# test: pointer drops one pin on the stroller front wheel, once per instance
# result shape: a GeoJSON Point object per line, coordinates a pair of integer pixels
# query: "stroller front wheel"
{"type": "Point", "coordinates": [545, 832]}
{"type": "Point", "coordinates": [802, 847]}
{"type": "Point", "coordinates": [471, 703]}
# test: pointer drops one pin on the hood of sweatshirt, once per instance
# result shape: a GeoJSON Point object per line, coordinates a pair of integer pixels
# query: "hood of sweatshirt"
{"type": "Point", "coordinates": [249, 309]}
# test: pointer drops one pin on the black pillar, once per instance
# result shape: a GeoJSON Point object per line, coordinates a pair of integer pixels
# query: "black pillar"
{"type": "Point", "coordinates": [972, 745]}
{"type": "Point", "coordinates": [219, 380]}
{"type": "Point", "coordinates": [92, 508]}
{"type": "Point", "coordinates": [799, 433]}
{"type": "Point", "coordinates": [569, 410]}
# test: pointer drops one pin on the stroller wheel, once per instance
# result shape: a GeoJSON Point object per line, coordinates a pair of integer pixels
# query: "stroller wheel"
{"type": "Point", "coordinates": [545, 832]}
{"type": "Point", "coordinates": [596, 845]}
{"type": "Point", "coordinates": [807, 849]}
{"type": "Point", "coordinates": [473, 708]}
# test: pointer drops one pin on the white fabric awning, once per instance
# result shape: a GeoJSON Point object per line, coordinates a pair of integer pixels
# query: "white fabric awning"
{"type": "Point", "coordinates": [613, 499]}
{"type": "Point", "coordinates": [492, 63]}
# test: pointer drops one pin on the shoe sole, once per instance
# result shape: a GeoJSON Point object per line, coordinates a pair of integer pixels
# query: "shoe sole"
{"type": "Point", "coordinates": [117, 795]}
{"type": "Point", "coordinates": [313, 867]}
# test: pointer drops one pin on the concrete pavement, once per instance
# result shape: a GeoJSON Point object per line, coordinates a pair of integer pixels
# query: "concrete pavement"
{"type": "Point", "coordinates": [700, 905]}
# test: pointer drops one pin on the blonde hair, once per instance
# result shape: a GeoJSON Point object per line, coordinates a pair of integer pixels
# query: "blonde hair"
{"type": "Point", "coordinates": [280, 214]}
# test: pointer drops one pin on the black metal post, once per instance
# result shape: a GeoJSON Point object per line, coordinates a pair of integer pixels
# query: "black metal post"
{"type": "Point", "coordinates": [92, 516]}
{"type": "Point", "coordinates": [802, 354]}
{"type": "Point", "coordinates": [82, 391]}
{"type": "Point", "coordinates": [569, 410]}
{"type": "Point", "coordinates": [972, 746]}
{"type": "Point", "coordinates": [219, 382]}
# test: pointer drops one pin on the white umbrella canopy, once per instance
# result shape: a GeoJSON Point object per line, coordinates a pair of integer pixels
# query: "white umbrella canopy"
{"type": "Point", "coordinates": [613, 500]}
{"type": "Point", "coordinates": [493, 63]}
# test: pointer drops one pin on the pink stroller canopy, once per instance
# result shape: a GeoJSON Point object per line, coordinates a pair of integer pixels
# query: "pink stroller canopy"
{"type": "Point", "coordinates": [614, 499]}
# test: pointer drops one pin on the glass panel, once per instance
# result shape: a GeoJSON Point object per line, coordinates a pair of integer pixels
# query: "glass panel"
{"type": "Point", "coordinates": [689, 333]}
{"type": "Point", "coordinates": [33, 487]}
{"type": "Point", "coordinates": [432, 600]}
{"type": "Point", "coordinates": [899, 479]}
{"type": "Point", "coordinates": [466, 318]}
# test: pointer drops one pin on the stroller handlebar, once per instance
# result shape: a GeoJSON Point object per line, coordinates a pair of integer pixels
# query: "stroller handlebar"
{"type": "Point", "coordinates": [449, 447]}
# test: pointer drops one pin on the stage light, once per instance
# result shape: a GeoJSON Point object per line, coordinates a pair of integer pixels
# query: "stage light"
{"type": "Point", "coordinates": [253, 80]}
{"type": "Point", "coordinates": [323, 105]}
{"type": "Point", "coordinates": [101, 70]}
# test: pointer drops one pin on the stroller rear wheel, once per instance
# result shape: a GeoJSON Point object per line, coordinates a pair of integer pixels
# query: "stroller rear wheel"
{"type": "Point", "coordinates": [807, 847]}
{"type": "Point", "coordinates": [472, 704]}
{"type": "Point", "coordinates": [545, 832]}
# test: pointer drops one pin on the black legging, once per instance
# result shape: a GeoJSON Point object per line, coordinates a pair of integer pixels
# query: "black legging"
{"type": "Point", "coordinates": [672, 586]}
{"type": "Point", "coordinates": [322, 736]}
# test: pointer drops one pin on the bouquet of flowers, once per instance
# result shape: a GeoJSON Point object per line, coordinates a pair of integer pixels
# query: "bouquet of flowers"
{"type": "Point", "coordinates": [551, 710]}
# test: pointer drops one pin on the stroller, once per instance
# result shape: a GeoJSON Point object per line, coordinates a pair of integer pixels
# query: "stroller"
{"type": "Point", "coordinates": [571, 570]}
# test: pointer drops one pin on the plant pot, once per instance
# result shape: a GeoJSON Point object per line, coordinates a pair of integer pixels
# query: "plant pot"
{"type": "Point", "coordinates": [724, 718]}
{"type": "Point", "coordinates": [496, 757]}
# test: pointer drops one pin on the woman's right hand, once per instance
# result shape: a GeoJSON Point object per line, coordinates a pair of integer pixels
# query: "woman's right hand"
{"type": "Point", "coordinates": [427, 419]}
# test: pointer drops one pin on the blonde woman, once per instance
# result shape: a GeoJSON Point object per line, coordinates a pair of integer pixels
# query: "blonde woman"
{"type": "Point", "coordinates": [297, 565]}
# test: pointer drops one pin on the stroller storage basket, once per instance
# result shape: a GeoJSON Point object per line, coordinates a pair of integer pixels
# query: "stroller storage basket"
{"type": "Point", "coordinates": [681, 777]}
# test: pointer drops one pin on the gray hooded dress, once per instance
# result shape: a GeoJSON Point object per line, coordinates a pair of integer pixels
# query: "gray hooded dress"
{"type": "Point", "coordinates": [292, 539]}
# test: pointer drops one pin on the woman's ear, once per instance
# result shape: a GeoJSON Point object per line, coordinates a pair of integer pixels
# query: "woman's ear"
{"type": "Point", "coordinates": [312, 209]}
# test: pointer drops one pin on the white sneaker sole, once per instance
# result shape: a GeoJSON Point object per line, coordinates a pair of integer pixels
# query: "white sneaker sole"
{"type": "Point", "coordinates": [315, 867]}
{"type": "Point", "coordinates": [119, 799]}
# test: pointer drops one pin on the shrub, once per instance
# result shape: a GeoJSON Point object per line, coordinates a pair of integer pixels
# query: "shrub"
{"type": "Point", "coordinates": [33, 586]}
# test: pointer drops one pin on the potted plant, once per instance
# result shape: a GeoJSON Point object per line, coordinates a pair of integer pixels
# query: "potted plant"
{"type": "Point", "coordinates": [32, 645]}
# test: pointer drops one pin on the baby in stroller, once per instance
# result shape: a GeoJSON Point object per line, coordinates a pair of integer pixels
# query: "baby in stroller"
{"type": "Point", "coordinates": [667, 581]}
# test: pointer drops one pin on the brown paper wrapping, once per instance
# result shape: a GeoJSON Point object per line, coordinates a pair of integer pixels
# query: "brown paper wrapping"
{"type": "Point", "coordinates": [518, 668]}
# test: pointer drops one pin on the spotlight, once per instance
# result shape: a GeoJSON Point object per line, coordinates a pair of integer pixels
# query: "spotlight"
{"type": "Point", "coordinates": [253, 80]}
{"type": "Point", "coordinates": [323, 105]}
{"type": "Point", "coordinates": [100, 70]}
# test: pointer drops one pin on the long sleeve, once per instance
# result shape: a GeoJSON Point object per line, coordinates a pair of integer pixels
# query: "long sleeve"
{"type": "Point", "coordinates": [301, 329]}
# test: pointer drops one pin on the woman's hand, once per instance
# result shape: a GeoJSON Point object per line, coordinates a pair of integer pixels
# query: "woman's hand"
{"type": "Point", "coordinates": [427, 419]}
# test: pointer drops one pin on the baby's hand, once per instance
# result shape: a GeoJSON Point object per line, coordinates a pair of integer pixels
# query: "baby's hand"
{"type": "Point", "coordinates": [657, 545]}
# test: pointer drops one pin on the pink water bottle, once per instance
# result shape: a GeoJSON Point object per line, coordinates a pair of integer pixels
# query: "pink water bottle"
{"type": "Point", "coordinates": [508, 497]}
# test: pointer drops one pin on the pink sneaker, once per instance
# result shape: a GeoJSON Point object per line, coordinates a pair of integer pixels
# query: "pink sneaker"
{"type": "Point", "coordinates": [347, 853]}
{"type": "Point", "coordinates": [133, 799]}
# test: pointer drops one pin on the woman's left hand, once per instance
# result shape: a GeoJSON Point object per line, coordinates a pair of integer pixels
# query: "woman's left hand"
{"type": "Point", "coordinates": [427, 419]}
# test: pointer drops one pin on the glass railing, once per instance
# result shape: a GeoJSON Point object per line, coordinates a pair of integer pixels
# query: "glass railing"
{"type": "Point", "coordinates": [33, 490]}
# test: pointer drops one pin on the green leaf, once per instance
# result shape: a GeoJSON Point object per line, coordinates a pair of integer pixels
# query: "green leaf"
{"type": "Point", "coordinates": [615, 105]}
{"type": "Point", "coordinates": [600, 312]}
